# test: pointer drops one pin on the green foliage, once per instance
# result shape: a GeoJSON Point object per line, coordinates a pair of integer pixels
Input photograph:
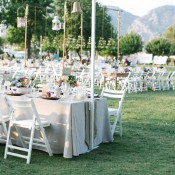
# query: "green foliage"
{"type": "Point", "coordinates": [40, 22]}
{"type": "Point", "coordinates": [172, 49]}
{"type": "Point", "coordinates": [170, 34]}
{"type": "Point", "coordinates": [71, 80]}
{"type": "Point", "coordinates": [1, 45]}
{"type": "Point", "coordinates": [73, 44]}
{"type": "Point", "coordinates": [36, 20]}
{"type": "Point", "coordinates": [102, 46]}
{"type": "Point", "coordinates": [1, 42]}
{"type": "Point", "coordinates": [130, 43]}
{"type": "Point", "coordinates": [158, 46]}
{"type": "Point", "coordinates": [15, 36]}
{"type": "Point", "coordinates": [50, 45]}
{"type": "Point", "coordinates": [111, 48]}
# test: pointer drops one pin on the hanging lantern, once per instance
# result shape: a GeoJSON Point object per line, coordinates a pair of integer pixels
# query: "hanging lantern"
{"type": "Point", "coordinates": [56, 24]}
{"type": "Point", "coordinates": [21, 21]}
{"type": "Point", "coordinates": [2, 29]}
{"type": "Point", "coordinates": [77, 8]}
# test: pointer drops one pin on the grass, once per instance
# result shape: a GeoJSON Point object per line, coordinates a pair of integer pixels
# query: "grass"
{"type": "Point", "coordinates": [146, 148]}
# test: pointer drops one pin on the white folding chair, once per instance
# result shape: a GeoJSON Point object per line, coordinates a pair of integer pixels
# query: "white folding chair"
{"type": "Point", "coordinates": [30, 125]}
{"type": "Point", "coordinates": [172, 80]}
{"type": "Point", "coordinates": [165, 80]}
{"type": "Point", "coordinates": [4, 119]}
{"type": "Point", "coordinates": [118, 95]}
{"type": "Point", "coordinates": [3, 133]}
{"type": "Point", "coordinates": [155, 81]}
{"type": "Point", "coordinates": [144, 81]}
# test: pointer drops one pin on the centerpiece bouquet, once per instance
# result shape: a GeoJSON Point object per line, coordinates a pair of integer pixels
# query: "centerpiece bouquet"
{"type": "Point", "coordinates": [20, 82]}
{"type": "Point", "coordinates": [20, 85]}
{"type": "Point", "coordinates": [72, 81]}
{"type": "Point", "coordinates": [69, 80]}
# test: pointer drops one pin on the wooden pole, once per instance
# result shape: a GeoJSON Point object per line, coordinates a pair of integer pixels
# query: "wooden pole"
{"type": "Point", "coordinates": [118, 36]}
{"type": "Point", "coordinates": [64, 36]}
{"type": "Point", "coordinates": [25, 44]}
{"type": "Point", "coordinates": [81, 36]}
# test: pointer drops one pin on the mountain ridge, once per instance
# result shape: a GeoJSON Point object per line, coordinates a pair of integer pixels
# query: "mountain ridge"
{"type": "Point", "coordinates": [150, 25]}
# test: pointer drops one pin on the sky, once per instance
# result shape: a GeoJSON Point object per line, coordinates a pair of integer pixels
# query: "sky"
{"type": "Point", "coordinates": [137, 7]}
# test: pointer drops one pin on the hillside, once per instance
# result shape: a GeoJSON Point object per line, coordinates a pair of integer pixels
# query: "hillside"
{"type": "Point", "coordinates": [149, 26]}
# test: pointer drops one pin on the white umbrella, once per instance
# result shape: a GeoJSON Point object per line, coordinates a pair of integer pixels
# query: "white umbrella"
{"type": "Point", "coordinates": [92, 72]}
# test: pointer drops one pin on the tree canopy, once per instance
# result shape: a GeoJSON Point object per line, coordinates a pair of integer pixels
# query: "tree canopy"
{"type": "Point", "coordinates": [130, 43]}
{"type": "Point", "coordinates": [158, 46]}
{"type": "Point", "coordinates": [40, 21]}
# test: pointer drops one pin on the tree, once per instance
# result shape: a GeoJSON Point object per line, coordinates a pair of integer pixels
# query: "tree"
{"type": "Point", "coordinates": [73, 44]}
{"type": "Point", "coordinates": [111, 48]}
{"type": "Point", "coordinates": [170, 34]}
{"type": "Point", "coordinates": [73, 22]}
{"type": "Point", "coordinates": [36, 20]}
{"type": "Point", "coordinates": [158, 46]}
{"type": "Point", "coordinates": [40, 20]}
{"type": "Point", "coordinates": [130, 43]}
{"type": "Point", "coordinates": [102, 48]}
{"type": "Point", "coordinates": [1, 45]}
{"type": "Point", "coordinates": [172, 49]}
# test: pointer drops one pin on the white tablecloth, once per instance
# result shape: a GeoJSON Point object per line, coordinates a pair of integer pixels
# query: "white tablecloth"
{"type": "Point", "coordinates": [66, 134]}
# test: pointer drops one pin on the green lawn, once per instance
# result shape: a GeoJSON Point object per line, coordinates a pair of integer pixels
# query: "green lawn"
{"type": "Point", "coordinates": [146, 148]}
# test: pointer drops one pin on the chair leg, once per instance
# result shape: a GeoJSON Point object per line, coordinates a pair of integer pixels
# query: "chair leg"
{"type": "Point", "coordinates": [46, 141]}
{"type": "Point", "coordinates": [30, 144]}
{"type": "Point", "coordinates": [5, 131]}
{"type": "Point", "coordinates": [114, 124]}
{"type": "Point", "coordinates": [7, 142]}
{"type": "Point", "coordinates": [120, 125]}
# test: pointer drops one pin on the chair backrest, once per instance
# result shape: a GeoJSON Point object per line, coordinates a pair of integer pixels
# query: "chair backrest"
{"type": "Point", "coordinates": [156, 75]}
{"type": "Point", "coordinates": [112, 93]}
{"type": "Point", "coordinates": [165, 75]}
{"type": "Point", "coordinates": [26, 105]}
{"type": "Point", "coordinates": [115, 94]}
{"type": "Point", "coordinates": [172, 76]}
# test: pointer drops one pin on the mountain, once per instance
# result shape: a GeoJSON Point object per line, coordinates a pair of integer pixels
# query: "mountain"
{"type": "Point", "coordinates": [149, 26]}
{"type": "Point", "coordinates": [154, 23]}
{"type": "Point", "coordinates": [126, 18]}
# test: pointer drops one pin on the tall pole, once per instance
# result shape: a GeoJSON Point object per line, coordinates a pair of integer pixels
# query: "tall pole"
{"type": "Point", "coordinates": [81, 36]}
{"type": "Point", "coordinates": [41, 47]}
{"type": "Point", "coordinates": [92, 72]}
{"type": "Point", "coordinates": [102, 33]}
{"type": "Point", "coordinates": [25, 45]}
{"type": "Point", "coordinates": [118, 37]}
{"type": "Point", "coordinates": [64, 36]}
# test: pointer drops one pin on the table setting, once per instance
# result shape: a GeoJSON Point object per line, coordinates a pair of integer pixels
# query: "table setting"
{"type": "Point", "coordinates": [67, 108]}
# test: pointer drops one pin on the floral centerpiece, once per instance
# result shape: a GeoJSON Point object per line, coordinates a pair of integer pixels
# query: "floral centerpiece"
{"type": "Point", "coordinates": [69, 80]}
{"type": "Point", "coordinates": [20, 84]}
{"type": "Point", "coordinates": [72, 81]}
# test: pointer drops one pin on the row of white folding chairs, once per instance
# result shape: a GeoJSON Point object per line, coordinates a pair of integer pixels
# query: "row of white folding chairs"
{"type": "Point", "coordinates": [161, 81]}
{"type": "Point", "coordinates": [84, 78]}
{"type": "Point", "coordinates": [141, 81]}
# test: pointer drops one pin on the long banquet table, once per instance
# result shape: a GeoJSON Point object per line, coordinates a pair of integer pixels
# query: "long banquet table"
{"type": "Point", "coordinates": [66, 134]}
